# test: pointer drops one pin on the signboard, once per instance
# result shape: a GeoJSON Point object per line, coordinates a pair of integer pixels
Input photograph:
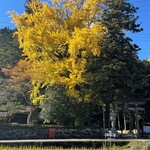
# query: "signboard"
{"type": "Point", "coordinates": [110, 134]}
{"type": "Point", "coordinates": [146, 128]}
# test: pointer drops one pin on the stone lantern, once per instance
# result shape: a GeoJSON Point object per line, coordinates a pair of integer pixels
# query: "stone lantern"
{"type": "Point", "coordinates": [113, 120]}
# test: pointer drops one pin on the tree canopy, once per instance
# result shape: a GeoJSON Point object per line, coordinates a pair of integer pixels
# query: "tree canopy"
{"type": "Point", "coordinates": [57, 40]}
{"type": "Point", "coordinates": [117, 68]}
{"type": "Point", "coordinates": [9, 48]}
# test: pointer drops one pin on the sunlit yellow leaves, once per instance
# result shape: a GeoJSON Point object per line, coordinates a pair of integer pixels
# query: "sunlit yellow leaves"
{"type": "Point", "coordinates": [148, 60]}
{"type": "Point", "coordinates": [86, 41]}
{"type": "Point", "coordinates": [35, 6]}
{"type": "Point", "coordinates": [35, 95]}
{"type": "Point", "coordinates": [57, 41]}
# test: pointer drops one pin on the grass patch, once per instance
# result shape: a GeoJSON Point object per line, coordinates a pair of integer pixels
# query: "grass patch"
{"type": "Point", "coordinates": [130, 146]}
{"type": "Point", "coordinates": [44, 148]}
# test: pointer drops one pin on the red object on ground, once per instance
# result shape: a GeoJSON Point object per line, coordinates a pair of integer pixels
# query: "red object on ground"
{"type": "Point", "coordinates": [52, 133]}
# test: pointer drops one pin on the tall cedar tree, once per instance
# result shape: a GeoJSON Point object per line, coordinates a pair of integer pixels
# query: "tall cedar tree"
{"type": "Point", "coordinates": [116, 70]}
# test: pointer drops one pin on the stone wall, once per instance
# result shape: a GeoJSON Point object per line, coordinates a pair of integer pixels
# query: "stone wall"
{"type": "Point", "coordinates": [15, 131]}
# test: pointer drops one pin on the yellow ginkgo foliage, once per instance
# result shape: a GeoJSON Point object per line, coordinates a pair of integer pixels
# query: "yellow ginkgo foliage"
{"type": "Point", "coordinates": [58, 39]}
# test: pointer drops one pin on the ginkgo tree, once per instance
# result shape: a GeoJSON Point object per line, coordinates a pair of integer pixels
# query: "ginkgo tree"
{"type": "Point", "coordinates": [58, 40]}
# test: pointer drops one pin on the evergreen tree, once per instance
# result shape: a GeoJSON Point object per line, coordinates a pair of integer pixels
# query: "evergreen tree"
{"type": "Point", "coordinates": [116, 69]}
{"type": "Point", "coordinates": [142, 90]}
{"type": "Point", "coordinates": [9, 48]}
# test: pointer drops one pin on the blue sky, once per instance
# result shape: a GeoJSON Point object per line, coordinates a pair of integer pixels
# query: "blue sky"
{"type": "Point", "coordinates": [142, 39]}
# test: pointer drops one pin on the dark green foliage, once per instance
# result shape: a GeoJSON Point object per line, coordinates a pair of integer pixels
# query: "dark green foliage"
{"type": "Point", "coordinates": [58, 108]}
{"type": "Point", "coordinates": [10, 54]}
{"type": "Point", "coordinates": [147, 112]}
{"type": "Point", "coordinates": [9, 48]}
{"type": "Point", "coordinates": [146, 79]}
{"type": "Point", "coordinates": [119, 16]}
{"type": "Point", "coordinates": [116, 69]}
{"type": "Point", "coordinates": [142, 86]}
